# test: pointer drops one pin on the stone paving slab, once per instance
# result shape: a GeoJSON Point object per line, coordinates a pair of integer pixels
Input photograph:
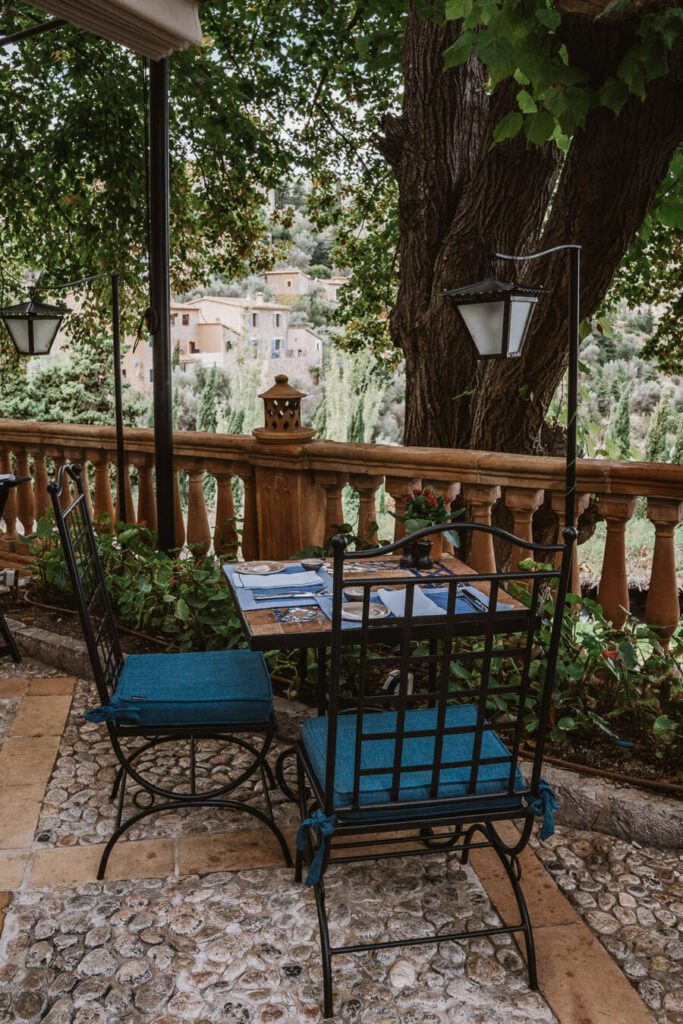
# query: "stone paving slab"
{"type": "Point", "coordinates": [242, 948]}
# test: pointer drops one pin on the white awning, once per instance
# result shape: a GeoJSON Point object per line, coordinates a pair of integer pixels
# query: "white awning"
{"type": "Point", "coordinates": [154, 28]}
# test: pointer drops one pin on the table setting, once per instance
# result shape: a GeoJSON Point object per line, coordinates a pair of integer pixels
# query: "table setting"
{"type": "Point", "coordinates": [298, 591]}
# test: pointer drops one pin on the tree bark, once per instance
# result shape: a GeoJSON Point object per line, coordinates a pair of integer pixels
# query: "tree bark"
{"type": "Point", "coordinates": [459, 197]}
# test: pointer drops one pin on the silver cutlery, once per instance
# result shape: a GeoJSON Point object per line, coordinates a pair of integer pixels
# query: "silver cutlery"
{"type": "Point", "coordinates": [290, 595]}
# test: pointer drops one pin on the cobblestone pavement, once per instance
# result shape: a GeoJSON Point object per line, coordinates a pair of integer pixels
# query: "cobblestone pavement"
{"type": "Point", "coordinates": [632, 898]}
{"type": "Point", "coordinates": [28, 668]}
{"type": "Point", "coordinates": [77, 808]}
{"type": "Point", "coordinates": [242, 948]}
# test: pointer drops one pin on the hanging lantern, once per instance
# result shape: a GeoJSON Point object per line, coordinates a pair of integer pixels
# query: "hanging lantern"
{"type": "Point", "coordinates": [282, 405]}
{"type": "Point", "coordinates": [496, 315]}
{"type": "Point", "coordinates": [33, 325]}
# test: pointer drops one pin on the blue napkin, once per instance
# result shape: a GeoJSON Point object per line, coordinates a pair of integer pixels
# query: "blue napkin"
{"type": "Point", "coordinates": [246, 595]}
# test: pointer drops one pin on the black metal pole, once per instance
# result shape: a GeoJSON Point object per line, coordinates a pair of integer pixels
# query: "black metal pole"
{"type": "Point", "coordinates": [573, 381]}
{"type": "Point", "coordinates": [573, 377]}
{"type": "Point", "coordinates": [34, 30]}
{"type": "Point", "coordinates": [160, 300]}
{"type": "Point", "coordinates": [118, 402]}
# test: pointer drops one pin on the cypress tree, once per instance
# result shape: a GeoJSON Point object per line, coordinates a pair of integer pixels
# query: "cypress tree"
{"type": "Point", "coordinates": [677, 455]}
{"type": "Point", "coordinates": [207, 420]}
{"type": "Point", "coordinates": [207, 417]}
{"type": "Point", "coordinates": [656, 443]}
{"type": "Point", "coordinates": [619, 426]}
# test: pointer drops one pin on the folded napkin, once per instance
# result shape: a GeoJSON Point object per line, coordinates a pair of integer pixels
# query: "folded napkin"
{"type": "Point", "coordinates": [395, 600]}
{"type": "Point", "coordinates": [280, 581]}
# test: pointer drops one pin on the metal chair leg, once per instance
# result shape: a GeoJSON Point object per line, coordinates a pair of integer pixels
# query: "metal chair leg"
{"type": "Point", "coordinates": [514, 872]}
{"type": "Point", "coordinates": [174, 805]}
{"type": "Point", "coordinates": [326, 956]}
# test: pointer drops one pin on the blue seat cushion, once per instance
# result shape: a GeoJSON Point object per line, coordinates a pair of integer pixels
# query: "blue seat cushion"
{"type": "Point", "coordinates": [200, 688]}
{"type": "Point", "coordinates": [417, 750]}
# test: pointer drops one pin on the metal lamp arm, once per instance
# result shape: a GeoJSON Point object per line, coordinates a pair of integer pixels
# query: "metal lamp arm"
{"type": "Point", "coordinates": [573, 367]}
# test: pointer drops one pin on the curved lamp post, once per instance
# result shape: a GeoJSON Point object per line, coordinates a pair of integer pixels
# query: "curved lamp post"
{"type": "Point", "coordinates": [33, 326]}
{"type": "Point", "coordinates": [497, 316]}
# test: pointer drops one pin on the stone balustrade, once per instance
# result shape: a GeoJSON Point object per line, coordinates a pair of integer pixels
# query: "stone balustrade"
{"type": "Point", "coordinates": [293, 494]}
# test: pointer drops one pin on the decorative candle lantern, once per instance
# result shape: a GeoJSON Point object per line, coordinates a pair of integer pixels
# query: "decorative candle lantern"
{"type": "Point", "coordinates": [282, 405]}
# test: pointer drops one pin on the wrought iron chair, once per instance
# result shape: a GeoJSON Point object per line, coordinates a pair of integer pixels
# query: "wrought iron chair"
{"type": "Point", "coordinates": [427, 758]}
{"type": "Point", "coordinates": [163, 698]}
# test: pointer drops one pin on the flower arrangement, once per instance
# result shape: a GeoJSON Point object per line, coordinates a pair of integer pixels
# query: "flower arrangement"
{"type": "Point", "coordinates": [424, 508]}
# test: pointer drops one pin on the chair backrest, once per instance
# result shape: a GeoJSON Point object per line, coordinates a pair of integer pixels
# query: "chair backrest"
{"type": "Point", "coordinates": [87, 579]}
{"type": "Point", "coordinates": [500, 659]}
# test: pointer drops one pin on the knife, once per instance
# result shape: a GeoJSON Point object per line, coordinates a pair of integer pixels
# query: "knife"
{"type": "Point", "coordinates": [287, 596]}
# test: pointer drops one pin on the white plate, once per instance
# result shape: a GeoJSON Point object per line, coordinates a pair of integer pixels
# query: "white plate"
{"type": "Point", "coordinates": [260, 568]}
{"type": "Point", "coordinates": [353, 610]}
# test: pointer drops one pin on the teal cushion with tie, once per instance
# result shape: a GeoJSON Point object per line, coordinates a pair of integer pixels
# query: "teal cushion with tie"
{"type": "Point", "coordinates": [417, 750]}
{"type": "Point", "coordinates": [199, 688]}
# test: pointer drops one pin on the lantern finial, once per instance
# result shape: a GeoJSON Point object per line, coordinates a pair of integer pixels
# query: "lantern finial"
{"type": "Point", "coordinates": [282, 405]}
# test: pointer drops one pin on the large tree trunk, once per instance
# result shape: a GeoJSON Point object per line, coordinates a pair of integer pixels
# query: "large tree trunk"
{"type": "Point", "coordinates": [460, 197]}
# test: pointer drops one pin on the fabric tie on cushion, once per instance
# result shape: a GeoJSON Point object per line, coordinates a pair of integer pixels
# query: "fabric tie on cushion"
{"type": "Point", "coordinates": [544, 805]}
{"type": "Point", "coordinates": [112, 712]}
{"type": "Point", "coordinates": [323, 828]}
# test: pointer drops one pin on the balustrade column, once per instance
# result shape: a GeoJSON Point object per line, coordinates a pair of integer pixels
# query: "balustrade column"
{"type": "Point", "coordinates": [367, 487]}
{"type": "Point", "coordinates": [333, 485]}
{"type": "Point", "coordinates": [250, 543]}
{"type": "Point", "coordinates": [198, 529]}
{"type": "Point", "coordinates": [617, 509]}
{"type": "Point", "coordinates": [558, 505]}
{"type": "Point", "coordinates": [481, 498]}
{"type": "Point", "coordinates": [400, 488]}
{"type": "Point", "coordinates": [128, 491]}
{"type": "Point", "coordinates": [104, 506]}
{"type": "Point", "coordinates": [662, 610]}
{"type": "Point", "coordinates": [522, 502]}
{"type": "Point", "coordinates": [147, 509]}
{"type": "Point", "coordinates": [24, 494]}
{"type": "Point", "coordinates": [10, 512]}
{"type": "Point", "coordinates": [225, 534]}
{"type": "Point", "coordinates": [41, 497]}
{"type": "Point", "coordinates": [178, 511]}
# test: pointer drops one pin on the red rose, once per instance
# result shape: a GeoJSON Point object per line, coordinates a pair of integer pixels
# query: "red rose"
{"type": "Point", "coordinates": [610, 655]}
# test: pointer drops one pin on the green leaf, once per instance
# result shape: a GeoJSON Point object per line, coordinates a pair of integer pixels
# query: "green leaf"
{"type": "Point", "coordinates": [539, 127]}
{"type": "Point", "coordinates": [497, 52]}
{"type": "Point", "coordinates": [670, 213]}
{"type": "Point", "coordinates": [460, 51]}
{"type": "Point", "coordinates": [614, 94]}
{"type": "Point", "coordinates": [182, 609]}
{"type": "Point", "coordinates": [526, 102]}
{"type": "Point", "coordinates": [663, 724]}
{"type": "Point", "coordinates": [566, 724]}
{"type": "Point", "coordinates": [549, 18]}
{"type": "Point", "coordinates": [458, 9]}
{"type": "Point", "coordinates": [508, 127]}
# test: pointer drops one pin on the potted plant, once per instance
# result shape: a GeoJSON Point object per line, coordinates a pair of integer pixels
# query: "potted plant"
{"type": "Point", "coordinates": [425, 508]}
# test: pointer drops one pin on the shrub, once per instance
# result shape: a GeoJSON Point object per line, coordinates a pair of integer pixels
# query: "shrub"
{"type": "Point", "coordinates": [183, 601]}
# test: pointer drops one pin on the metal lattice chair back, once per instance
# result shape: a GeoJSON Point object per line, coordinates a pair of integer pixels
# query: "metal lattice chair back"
{"type": "Point", "coordinates": [480, 666]}
{"type": "Point", "coordinates": [87, 577]}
